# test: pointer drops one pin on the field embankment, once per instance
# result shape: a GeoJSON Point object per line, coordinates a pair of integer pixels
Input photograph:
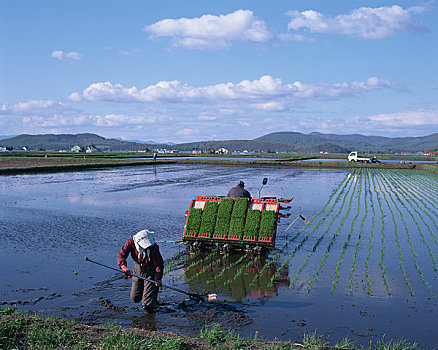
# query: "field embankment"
{"type": "Point", "coordinates": [29, 165]}
{"type": "Point", "coordinates": [19, 331]}
{"type": "Point", "coordinates": [39, 162]}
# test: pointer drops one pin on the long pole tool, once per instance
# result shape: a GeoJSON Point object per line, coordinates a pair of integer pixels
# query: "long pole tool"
{"type": "Point", "coordinates": [298, 217]}
{"type": "Point", "coordinates": [193, 296]}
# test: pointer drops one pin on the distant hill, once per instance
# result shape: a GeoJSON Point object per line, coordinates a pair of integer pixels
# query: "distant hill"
{"type": "Point", "coordinates": [239, 145]}
{"type": "Point", "coordinates": [362, 143]}
{"type": "Point", "coordinates": [52, 142]}
{"type": "Point", "coordinates": [274, 142]}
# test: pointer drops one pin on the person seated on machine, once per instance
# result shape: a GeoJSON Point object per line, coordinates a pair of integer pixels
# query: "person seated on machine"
{"type": "Point", "coordinates": [239, 191]}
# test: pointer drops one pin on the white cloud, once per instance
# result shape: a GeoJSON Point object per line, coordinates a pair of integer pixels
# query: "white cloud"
{"type": "Point", "coordinates": [206, 117]}
{"type": "Point", "coordinates": [410, 118]}
{"type": "Point", "coordinates": [113, 120]}
{"type": "Point", "coordinates": [210, 32]}
{"type": "Point", "coordinates": [131, 52]}
{"type": "Point", "coordinates": [295, 37]}
{"type": "Point", "coordinates": [266, 93]}
{"type": "Point", "coordinates": [75, 97]}
{"type": "Point", "coordinates": [43, 114]}
{"type": "Point", "coordinates": [363, 22]}
{"type": "Point", "coordinates": [57, 54]}
{"type": "Point", "coordinates": [185, 132]}
{"type": "Point", "coordinates": [242, 123]}
{"type": "Point", "coordinates": [35, 107]}
{"type": "Point", "coordinates": [69, 56]}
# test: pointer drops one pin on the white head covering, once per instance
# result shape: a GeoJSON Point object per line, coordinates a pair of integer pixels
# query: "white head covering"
{"type": "Point", "coordinates": [143, 240]}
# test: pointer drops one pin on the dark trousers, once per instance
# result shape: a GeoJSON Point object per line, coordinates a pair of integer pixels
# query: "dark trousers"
{"type": "Point", "coordinates": [142, 290]}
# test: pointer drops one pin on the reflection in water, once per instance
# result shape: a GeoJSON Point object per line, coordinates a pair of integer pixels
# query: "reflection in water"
{"type": "Point", "coordinates": [235, 276]}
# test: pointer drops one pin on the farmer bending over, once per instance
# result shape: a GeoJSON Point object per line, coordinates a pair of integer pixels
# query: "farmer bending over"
{"type": "Point", "coordinates": [148, 263]}
{"type": "Point", "coordinates": [239, 191]}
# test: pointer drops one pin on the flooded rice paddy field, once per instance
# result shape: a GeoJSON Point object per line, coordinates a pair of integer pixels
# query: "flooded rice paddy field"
{"type": "Point", "coordinates": [365, 265]}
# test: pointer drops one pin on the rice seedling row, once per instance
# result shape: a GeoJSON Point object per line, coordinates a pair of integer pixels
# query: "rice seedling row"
{"type": "Point", "coordinates": [431, 186]}
{"type": "Point", "coordinates": [353, 264]}
{"type": "Point", "coordinates": [424, 208]}
{"type": "Point", "coordinates": [206, 268]}
{"type": "Point", "coordinates": [241, 270]}
{"type": "Point", "coordinates": [420, 272]}
{"type": "Point", "coordinates": [382, 250]}
{"type": "Point", "coordinates": [370, 246]}
{"type": "Point", "coordinates": [417, 267]}
{"type": "Point", "coordinates": [421, 187]}
{"type": "Point", "coordinates": [303, 265]}
{"type": "Point", "coordinates": [230, 266]}
{"type": "Point", "coordinates": [219, 262]}
{"type": "Point", "coordinates": [315, 274]}
{"type": "Point", "coordinates": [342, 184]}
{"type": "Point", "coordinates": [397, 239]}
{"type": "Point", "coordinates": [306, 237]}
{"type": "Point", "coordinates": [264, 268]}
{"type": "Point", "coordinates": [203, 260]}
{"type": "Point", "coordinates": [418, 190]}
{"type": "Point", "coordinates": [409, 199]}
{"type": "Point", "coordinates": [391, 184]}
{"type": "Point", "coordinates": [347, 240]}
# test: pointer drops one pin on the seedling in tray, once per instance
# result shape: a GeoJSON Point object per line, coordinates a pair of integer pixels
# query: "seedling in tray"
{"type": "Point", "coordinates": [238, 218]}
{"type": "Point", "coordinates": [267, 224]}
{"type": "Point", "coordinates": [252, 225]}
{"type": "Point", "coordinates": [223, 218]}
{"type": "Point", "coordinates": [208, 219]}
{"type": "Point", "coordinates": [194, 221]}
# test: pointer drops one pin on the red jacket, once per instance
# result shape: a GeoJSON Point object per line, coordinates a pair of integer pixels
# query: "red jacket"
{"type": "Point", "coordinates": [156, 260]}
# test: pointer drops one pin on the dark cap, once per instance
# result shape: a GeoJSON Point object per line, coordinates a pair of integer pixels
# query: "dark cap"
{"type": "Point", "coordinates": [241, 184]}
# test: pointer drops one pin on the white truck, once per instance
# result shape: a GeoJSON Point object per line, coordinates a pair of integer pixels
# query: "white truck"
{"type": "Point", "coordinates": [353, 157]}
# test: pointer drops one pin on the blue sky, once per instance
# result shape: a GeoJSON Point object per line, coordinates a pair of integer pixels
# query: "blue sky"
{"type": "Point", "coordinates": [183, 71]}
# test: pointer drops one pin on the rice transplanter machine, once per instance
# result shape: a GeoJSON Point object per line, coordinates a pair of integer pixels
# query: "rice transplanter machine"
{"type": "Point", "coordinates": [227, 223]}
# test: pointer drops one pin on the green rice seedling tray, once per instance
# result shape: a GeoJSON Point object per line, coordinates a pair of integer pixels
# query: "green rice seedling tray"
{"type": "Point", "coordinates": [223, 218]}
{"type": "Point", "coordinates": [236, 223]}
{"type": "Point", "coordinates": [194, 216]}
{"type": "Point", "coordinates": [238, 216]}
{"type": "Point", "coordinates": [252, 223]}
{"type": "Point", "coordinates": [208, 219]}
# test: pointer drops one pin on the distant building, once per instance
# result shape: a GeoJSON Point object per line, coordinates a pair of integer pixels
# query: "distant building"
{"type": "Point", "coordinates": [196, 151]}
{"type": "Point", "coordinates": [76, 149]}
{"type": "Point", "coordinates": [91, 149]}
{"type": "Point", "coordinates": [165, 150]}
{"type": "Point", "coordinates": [222, 151]}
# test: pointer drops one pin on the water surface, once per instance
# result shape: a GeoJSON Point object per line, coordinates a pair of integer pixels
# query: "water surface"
{"type": "Point", "coordinates": [50, 222]}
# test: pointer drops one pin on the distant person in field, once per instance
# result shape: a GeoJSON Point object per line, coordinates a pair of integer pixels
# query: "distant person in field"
{"type": "Point", "coordinates": [154, 157]}
{"type": "Point", "coordinates": [148, 263]}
{"type": "Point", "coordinates": [239, 191]}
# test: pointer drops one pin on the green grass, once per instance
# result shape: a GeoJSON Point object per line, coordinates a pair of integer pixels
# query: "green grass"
{"type": "Point", "coordinates": [19, 331]}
